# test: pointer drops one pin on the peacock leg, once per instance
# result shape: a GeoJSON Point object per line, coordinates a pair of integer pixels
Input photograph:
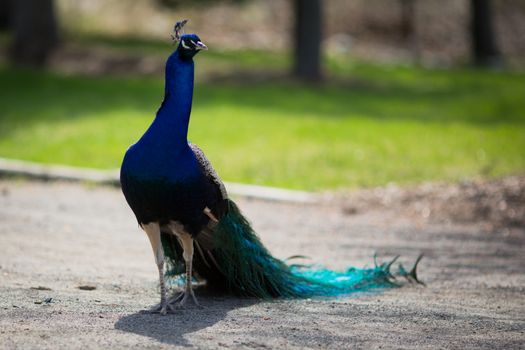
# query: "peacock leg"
{"type": "Point", "coordinates": [153, 232]}
{"type": "Point", "coordinates": [187, 253]}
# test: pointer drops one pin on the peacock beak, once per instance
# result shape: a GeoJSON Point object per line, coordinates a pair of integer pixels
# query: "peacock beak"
{"type": "Point", "coordinates": [200, 46]}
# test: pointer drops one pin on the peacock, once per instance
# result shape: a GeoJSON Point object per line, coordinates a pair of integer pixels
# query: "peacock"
{"type": "Point", "coordinates": [196, 231]}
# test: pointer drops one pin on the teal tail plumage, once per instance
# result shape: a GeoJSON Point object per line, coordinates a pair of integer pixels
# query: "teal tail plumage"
{"type": "Point", "coordinates": [240, 264]}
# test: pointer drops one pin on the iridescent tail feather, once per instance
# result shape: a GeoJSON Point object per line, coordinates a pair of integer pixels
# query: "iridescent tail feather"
{"type": "Point", "coordinates": [241, 265]}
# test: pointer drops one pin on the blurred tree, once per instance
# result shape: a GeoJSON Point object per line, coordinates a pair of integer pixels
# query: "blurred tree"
{"type": "Point", "coordinates": [408, 26]}
{"type": "Point", "coordinates": [307, 39]}
{"type": "Point", "coordinates": [4, 14]}
{"type": "Point", "coordinates": [484, 48]}
{"type": "Point", "coordinates": [407, 18]}
{"type": "Point", "coordinates": [177, 3]}
{"type": "Point", "coordinates": [35, 34]}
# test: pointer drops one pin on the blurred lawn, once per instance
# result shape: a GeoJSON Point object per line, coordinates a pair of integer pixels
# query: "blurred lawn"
{"type": "Point", "coordinates": [376, 125]}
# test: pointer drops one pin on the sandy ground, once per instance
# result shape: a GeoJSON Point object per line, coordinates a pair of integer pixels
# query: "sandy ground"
{"type": "Point", "coordinates": [57, 237]}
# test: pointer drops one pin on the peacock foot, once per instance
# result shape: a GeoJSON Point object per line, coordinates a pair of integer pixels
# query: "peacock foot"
{"type": "Point", "coordinates": [163, 309]}
{"type": "Point", "coordinates": [181, 299]}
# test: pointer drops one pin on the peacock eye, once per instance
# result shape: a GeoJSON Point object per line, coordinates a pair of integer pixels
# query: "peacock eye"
{"type": "Point", "coordinates": [183, 43]}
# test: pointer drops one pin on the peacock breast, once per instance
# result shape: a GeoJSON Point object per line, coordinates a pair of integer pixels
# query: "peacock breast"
{"type": "Point", "coordinates": [163, 186]}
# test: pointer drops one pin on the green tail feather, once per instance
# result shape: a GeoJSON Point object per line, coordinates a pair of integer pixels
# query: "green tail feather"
{"type": "Point", "coordinates": [248, 266]}
{"type": "Point", "coordinates": [248, 269]}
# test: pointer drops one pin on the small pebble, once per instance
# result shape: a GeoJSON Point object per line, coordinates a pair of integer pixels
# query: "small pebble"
{"type": "Point", "coordinates": [40, 288]}
{"type": "Point", "coordinates": [87, 287]}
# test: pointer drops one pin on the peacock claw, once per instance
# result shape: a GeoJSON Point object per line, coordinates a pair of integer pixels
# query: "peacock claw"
{"type": "Point", "coordinates": [160, 309]}
{"type": "Point", "coordinates": [181, 299]}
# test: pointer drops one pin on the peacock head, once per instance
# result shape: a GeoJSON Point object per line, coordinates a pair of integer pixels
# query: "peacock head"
{"type": "Point", "coordinates": [189, 44]}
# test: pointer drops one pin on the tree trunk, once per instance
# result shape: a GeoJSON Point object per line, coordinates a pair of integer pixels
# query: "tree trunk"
{"type": "Point", "coordinates": [407, 18]}
{"type": "Point", "coordinates": [484, 48]}
{"type": "Point", "coordinates": [34, 28]}
{"type": "Point", "coordinates": [307, 39]}
{"type": "Point", "coordinates": [408, 27]}
{"type": "Point", "coordinates": [4, 14]}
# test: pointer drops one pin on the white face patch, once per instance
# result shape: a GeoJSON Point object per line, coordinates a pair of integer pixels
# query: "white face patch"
{"type": "Point", "coordinates": [184, 45]}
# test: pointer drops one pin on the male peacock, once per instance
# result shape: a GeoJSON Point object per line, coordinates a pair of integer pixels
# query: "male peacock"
{"type": "Point", "coordinates": [182, 205]}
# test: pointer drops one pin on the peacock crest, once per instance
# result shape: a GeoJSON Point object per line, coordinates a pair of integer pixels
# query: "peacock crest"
{"type": "Point", "coordinates": [178, 31]}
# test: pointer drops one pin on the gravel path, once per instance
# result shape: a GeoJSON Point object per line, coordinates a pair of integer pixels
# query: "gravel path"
{"type": "Point", "coordinates": [57, 237]}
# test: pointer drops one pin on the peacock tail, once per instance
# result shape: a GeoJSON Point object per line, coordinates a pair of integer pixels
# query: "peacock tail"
{"type": "Point", "coordinates": [241, 265]}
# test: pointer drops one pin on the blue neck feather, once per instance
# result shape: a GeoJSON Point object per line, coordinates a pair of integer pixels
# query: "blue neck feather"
{"type": "Point", "coordinates": [173, 116]}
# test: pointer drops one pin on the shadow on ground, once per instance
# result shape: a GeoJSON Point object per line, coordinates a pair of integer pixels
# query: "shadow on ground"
{"type": "Point", "coordinates": [173, 328]}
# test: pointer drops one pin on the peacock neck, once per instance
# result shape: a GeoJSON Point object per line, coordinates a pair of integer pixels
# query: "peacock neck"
{"type": "Point", "coordinates": [174, 114]}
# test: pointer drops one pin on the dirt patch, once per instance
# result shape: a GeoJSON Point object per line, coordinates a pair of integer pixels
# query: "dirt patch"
{"type": "Point", "coordinates": [495, 204]}
{"type": "Point", "coordinates": [55, 237]}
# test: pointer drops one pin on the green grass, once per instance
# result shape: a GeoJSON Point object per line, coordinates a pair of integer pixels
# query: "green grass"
{"type": "Point", "coordinates": [376, 124]}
